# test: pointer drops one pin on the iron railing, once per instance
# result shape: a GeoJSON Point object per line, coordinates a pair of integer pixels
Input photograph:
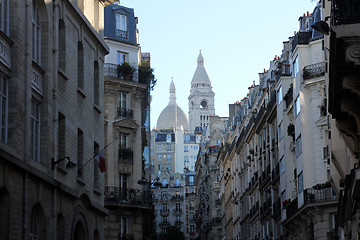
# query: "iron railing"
{"type": "Point", "coordinates": [121, 34]}
{"type": "Point", "coordinates": [345, 12]}
{"type": "Point", "coordinates": [301, 38]}
{"type": "Point", "coordinates": [319, 195]}
{"type": "Point", "coordinates": [112, 70]}
{"type": "Point", "coordinates": [127, 196]}
{"type": "Point", "coordinates": [126, 155]}
{"type": "Point", "coordinates": [314, 70]}
{"type": "Point", "coordinates": [125, 112]}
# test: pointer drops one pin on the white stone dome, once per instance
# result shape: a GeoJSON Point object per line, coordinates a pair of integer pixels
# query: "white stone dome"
{"type": "Point", "coordinates": [172, 116]}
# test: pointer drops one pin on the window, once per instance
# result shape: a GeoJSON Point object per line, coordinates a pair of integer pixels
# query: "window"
{"type": "Point", "coordinates": [80, 65]}
{"type": "Point", "coordinates": [300, 183]}
{"type": "Point", "coordinates": [96, 168]}
{"type": "Point", "coordinates": [121, 26]}
{"type": "Point", "coordinates": [164, 181]}
{"type": "Point", "coordinates": [295, 67]}
{"type": "Point", "coordinates": [4, 16]}
{"type": "Point", "coordinates": [3, 107]}
{"type": "Point", "coordinates": [123, 141]}
{"type": "Point", "coordinates": [122, 57]}
{"type": "Point", "coordinates": [192, 228]}
{"type": "Point", "coordinates": [124, 226]}
{"type": "Point", "coordinates": [177, 182]}
{"type": "Point", "coordinates": [168, 138]}
{"type": "Point", "coordinates": [36, 33]}
{"type": "Point", "coordinates": [123, 186]}
{"type": "Point", "coordinates": [62, 45]}
{"type": "Point", "coordinates": [169, 167]}
{"type": "Point", "coordinates": [280, 131]}
{"type": "Point", "coordinates": [159, 147]}
{"type": "Point", "coordinates": [186, 148]}
{"type": "Point", "coordinates": [168, 157]}
{"type": "Point", "coordinates": [159, 156]}
{"type": "Point", "coordinates": [35, 130]}
{"type": "Point", "coordinates": [279, 95]}
{"type": "Point", "coordinates": [283, 198]}
{"type": "Point", "coordinates": [122, 100]}
{"type": "Point", "coordinates": [282, 166]}
{"type": "Point", "coordinates": [298, 146]}
{"type": "Point", "coordinates": [168, 147]}
{"type": "Point", "coordinates": [191, 179]}
{"type": "Point", "coordinates": [96, 83]}
{"type": "Point", "coordinates": [186, 159]}
{"type": "Point", "coordinates": [297, 106]}
{"type": "Point", "coordinates": [80, 149]}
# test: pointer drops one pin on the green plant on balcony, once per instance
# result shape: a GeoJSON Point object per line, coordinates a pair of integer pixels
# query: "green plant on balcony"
{"type": "Point", "coordinates": [147, 76]}
{"type": "Point", "coordinates": [286, 203]}
{"type": "Point", "coordinates": [126, 70]}
{"type": "Point", "coordinates": [322, 185]}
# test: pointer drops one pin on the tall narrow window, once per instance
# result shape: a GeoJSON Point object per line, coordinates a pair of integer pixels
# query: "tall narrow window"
{"type": "Point", "coordinates": [4, 16]}
{"type": "Point", "coordinates": [300, 183]}
{"type": "Point", "coordinates": [96, 168]}
{"type": "Point", "coordinates": [295, 67]}
{"type": "Point", "coordinates": [96, 83]}
{"type": "Point", "coordinates": [61, 137]}
{"type": "Point", "coordinates": [121, 26]}
{"type": "Point", "coordinates": [35, 130]}
{"type": "Point", "coordinates": [80, 65]}
{"type": "Point", "coordinates": [3, 107]}
{"type": "Point", "coordinates": [80, 149]}
{"type": "Point", "coordinates": [279, 95]}
{"type": "Point", "coordinates": [124, 226]}
{"type": "Point", "coordinates": [297, 106]}
{"type": "Point", "coordinates": [36, 33]}
{"type": "Point", "coordinates": [122, 57]}
{"type": "Point", "coordinates": [123, 186]}
{"type": "Point", "coordinates": [62, 45]}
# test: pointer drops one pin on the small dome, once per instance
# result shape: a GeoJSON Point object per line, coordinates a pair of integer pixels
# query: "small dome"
{"type": "Point", "coordinates": [172, 116]}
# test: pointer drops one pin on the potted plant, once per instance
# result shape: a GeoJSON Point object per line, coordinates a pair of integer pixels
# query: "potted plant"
{"type": "Point", "coordinates": [126, 70]}
{"type": "Point", "coordinates": [286, 203]}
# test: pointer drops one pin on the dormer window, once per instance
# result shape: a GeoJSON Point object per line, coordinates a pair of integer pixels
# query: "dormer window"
{"type": "Point", "coordinates": [121, 26]}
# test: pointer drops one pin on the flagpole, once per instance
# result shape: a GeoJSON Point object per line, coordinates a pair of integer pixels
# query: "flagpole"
{"type": "Point", "coordinates": [79, 171]}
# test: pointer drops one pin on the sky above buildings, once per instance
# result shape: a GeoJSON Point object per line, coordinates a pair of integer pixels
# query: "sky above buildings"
{"type": "Point", "coordinates": [237, 39]}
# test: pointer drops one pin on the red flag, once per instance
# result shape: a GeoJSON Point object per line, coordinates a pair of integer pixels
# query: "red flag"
{"type": "Point", "coordinates": [100, 158]}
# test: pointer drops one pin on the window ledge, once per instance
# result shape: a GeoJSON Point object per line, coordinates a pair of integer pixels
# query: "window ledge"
{"type": "Point", "coordinates": [81, 92]}
{"type": "Point", "coordinates": [62, 74]}
{"type": "Point", "coordinates": [80, 181]}
{"type": "Point", "coordinates": [97, 109]}
{"type": "Point", "coordinates": [97, 191]}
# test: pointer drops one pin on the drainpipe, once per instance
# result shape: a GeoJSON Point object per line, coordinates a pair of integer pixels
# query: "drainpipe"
{"type": "Point", "coordinates": [25, 116]}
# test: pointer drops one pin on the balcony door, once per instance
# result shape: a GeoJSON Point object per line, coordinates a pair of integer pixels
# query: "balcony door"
{"type": "Point", "coordinates": [123, 186]}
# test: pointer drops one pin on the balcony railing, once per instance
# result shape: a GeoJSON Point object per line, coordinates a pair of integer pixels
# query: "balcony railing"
{"type": "Point", "coordinates": [164, 224]}
{"type": "Point", "coordinates": [111, 70]}
{"type": "Point", "coordinates": [283, 70]}
{"type": "Point", "coordinates": [178, 223]}
{"type": "Point", "coordinates": [345, 12]}
{"type": "Point", "coordinates": [164, 212]}
{"type": "Point", "coordinates": [124, 236]}
{"type": "Point", "coordinates": [121, 34]}
{"type": "Point", "coordinates": [314, 70]}
{"type": "Point", "coordinates": [126, 155]}
{"type": "Point", "coordinates": [127, 196]}
{"type": "Point", "coordinates": [177, 212]}
{"type": "Point", "coordinates": [319, 195]}
{"type": "Point", "coordinates": [301, 38]}
{"type": "Point", "coordinates": [125, 112]}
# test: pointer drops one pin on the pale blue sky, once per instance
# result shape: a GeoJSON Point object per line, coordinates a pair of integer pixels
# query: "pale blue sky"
{"type": "Point", "coordinates": [237, 39]}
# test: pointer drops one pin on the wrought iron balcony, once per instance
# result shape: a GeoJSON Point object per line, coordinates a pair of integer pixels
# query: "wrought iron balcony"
{"type": "Point", "coordinates": [177, 212]}
{"type": "Point", "coordinates": [289, 96]}
{"type": "Point", "coordinates": [125, 112]}
{"type": "Point", "coordinates": [345, 12]}
{"type": "Point", "coordinates": [164, 212]}
{"type": "Point", "coordinates": [301, 38]}
{"type": "Point", "coordinates": [128, 196]}
{"type": "Point", "coordinates": [126, 155]}
{"type": "Point", "coordinates": [319, 195]}
{"type": "Point", "coordinates": [314, 70]}
{"type": "Point", "coordinates": [164, 224]}
{"type": "Point", "coordinates": [121, 34]}
{"type": "Point", "coordinates": [124, 236]}
{"type": "Point", "coordinates": [178, 223]}
{"type": "Point", "coordinates": [111, 70]}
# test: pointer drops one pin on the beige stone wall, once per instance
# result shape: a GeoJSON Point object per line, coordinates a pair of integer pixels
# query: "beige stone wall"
{"type": "Point", "coordinates": [61, 197]}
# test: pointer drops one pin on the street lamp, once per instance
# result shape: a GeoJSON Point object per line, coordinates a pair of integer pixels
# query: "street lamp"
{"type": "Point", "coordinates": [69, 164]}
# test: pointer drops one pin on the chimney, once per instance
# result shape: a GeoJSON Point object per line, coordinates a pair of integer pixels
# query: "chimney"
{"type": "Point", "coordinates": [307, 13]}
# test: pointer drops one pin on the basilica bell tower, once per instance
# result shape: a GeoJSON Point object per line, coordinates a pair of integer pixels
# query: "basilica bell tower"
{"type": "Point", "coordinates": [201, 98]}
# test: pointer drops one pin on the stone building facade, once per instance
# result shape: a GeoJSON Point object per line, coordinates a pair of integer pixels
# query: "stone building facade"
{"type": "Point", "coordinates": [52, 119]}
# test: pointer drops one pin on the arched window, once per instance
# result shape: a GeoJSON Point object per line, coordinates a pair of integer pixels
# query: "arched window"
{"type": "Point", "coordinates": [203, 104]}
{"type": "Point", "coordinates": [36, 33]}
{"type": "Point", "coordinates": [37, 226]}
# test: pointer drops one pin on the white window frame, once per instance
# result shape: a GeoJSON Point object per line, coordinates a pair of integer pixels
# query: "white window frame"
{"type": "Point", "coordinates": [121, 22]}
{"type": "Point", "coordinates": [295, 66]}
{"type": "Point", "coordinates": [279, 95]}
{"type": "Point", "coordinates": [36, 34]}
{"type": "Point", "coordinates": [297, 106]}
{"type": "Point", "coordinates": [123, 100]}
{"type": "Point", "coordinates": [122, 57]}
{"type": "Point", "coordinates": [35, 130]}
{"type": "Point", "coordinates": [123, 140]}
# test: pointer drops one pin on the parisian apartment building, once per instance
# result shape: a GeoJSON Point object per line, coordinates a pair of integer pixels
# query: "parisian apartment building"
{"type": "Point", "coordinates": [52, 119]}
{"type": "Point", "coordinates": [288, 155]}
